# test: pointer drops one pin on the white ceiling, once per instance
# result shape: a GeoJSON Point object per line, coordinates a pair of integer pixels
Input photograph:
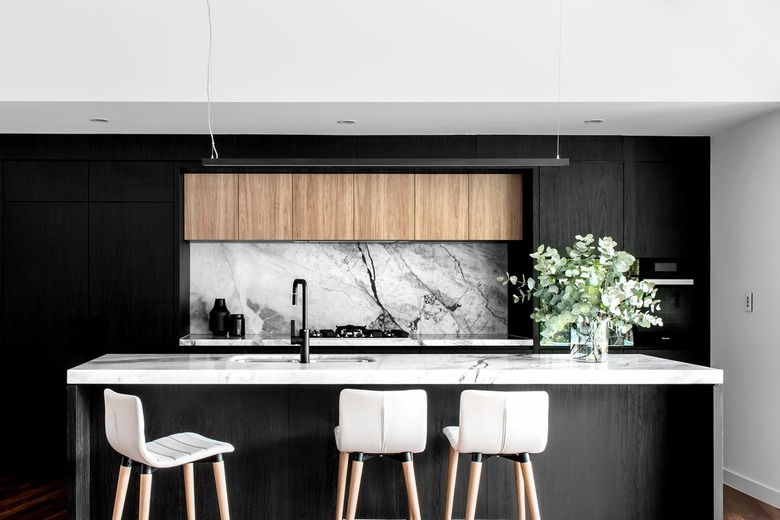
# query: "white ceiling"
{"type": "Point", "coordinates": [648, 67]}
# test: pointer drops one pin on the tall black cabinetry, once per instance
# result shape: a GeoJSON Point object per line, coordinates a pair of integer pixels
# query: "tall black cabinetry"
{"type": "Point", "coordinates": [635, 189]}
{"type": "Point", "coordinates": [131, 255]}
{"type": "Point", "coordinates": [87, 268]}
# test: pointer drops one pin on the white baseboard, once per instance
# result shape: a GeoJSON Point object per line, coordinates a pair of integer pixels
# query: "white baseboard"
{"type": "Point", "coordinates": [752, 488]}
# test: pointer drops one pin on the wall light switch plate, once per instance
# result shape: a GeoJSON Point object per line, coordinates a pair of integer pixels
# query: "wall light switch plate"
{"type": "Point", "coordinates": [749, 302]}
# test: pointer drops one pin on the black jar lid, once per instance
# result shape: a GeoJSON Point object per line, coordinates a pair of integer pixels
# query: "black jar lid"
{"type": "Point", "coordinates": [236, 315]}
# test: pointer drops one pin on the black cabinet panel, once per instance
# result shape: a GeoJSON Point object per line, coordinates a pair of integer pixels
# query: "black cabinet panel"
{"type": "Point", "coordinates": [659, 220]}
{"type": "Point", "coordinates": [115, 147]}
{"type": "Point", "coordinates": [516, 146]}
{"type": "Point", "coordinates": [46, 181]}
{"type": "Point", "coordinates": [131, 269]}
{"type": "Point", "coordinates": [45, 271]}
{"type": "Point", "coordinates": [679, 149]}
{"type": "Point", "coordinates": [45, 325]}
{"type": "Point", "coordinates": [592, 147]}
{"type": "Point", "coordinates": [415, 146]}
{"type": "Point", "coordinates": [579, 199]}
{"type": "Point", "coordinates": [45, 147]}
{"type": "Point", "coordinates": [297, 146]}
{"type": "Point", "coordinates": [572, 147]}
{"type": "Point", "coordinates": [131, 181]}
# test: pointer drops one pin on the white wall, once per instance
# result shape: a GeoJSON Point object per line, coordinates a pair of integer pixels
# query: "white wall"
{"type": "Point", "coordinates": [745, 256]}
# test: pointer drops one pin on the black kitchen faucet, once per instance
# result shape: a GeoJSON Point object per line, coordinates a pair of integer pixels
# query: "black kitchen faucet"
{"type": "Point", "coordinates": [302, 338]}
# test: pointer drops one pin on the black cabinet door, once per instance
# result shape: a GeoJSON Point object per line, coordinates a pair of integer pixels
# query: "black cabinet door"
{"type": "Point", "coordinates": [659, 221]}
{"type": "Point", "coordinates": [579, 199]}
{"type": "Point", "coordinates": [44, 324]}
{"type": "Point", "coordinates": [131, 270]}
{"type": "Point", "coordinates": [130, 181]}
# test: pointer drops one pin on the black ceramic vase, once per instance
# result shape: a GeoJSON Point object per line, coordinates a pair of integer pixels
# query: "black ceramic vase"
{"type": "Point", "coordinates": [219, 318]}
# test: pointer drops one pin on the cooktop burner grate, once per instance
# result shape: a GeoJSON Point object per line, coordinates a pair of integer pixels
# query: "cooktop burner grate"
{"type": "Point", "coordinates": [355, 331]}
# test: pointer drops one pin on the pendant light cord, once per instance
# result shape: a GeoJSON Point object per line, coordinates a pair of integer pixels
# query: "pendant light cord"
{"type": "Point", "coordinates": [558, 107]}
{"type": "Point", "coordinates": [214, 153]}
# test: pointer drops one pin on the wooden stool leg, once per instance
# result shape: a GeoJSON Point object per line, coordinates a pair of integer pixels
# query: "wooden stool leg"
{"type": "Point", "coordinates": [452, 473]}
{"type": "Point", "coordinates": [341, 485]}
{"type": "Point", "coordinates": [530, 488]}
{"type": "Point", "coordinates": [145, 496]}
{"type": "Point", "coordinates": [354, 487]}
{"type": "Point", "coordinates": [189, 490]}
{"type": "Point", "coordinates": [221, 483]}
{"type": "Point", "coordinates": [474, 475]}
{"type": "Point", "coordinates": [121, 488]}
{"type": "Point", "coordinates": [411, 490]}
{"type": "Point", "coordinates": [520, 490]}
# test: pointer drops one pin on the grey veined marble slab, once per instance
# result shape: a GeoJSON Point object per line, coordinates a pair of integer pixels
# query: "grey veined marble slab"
{"type": "Point", "coordinates": [430, 288]}
{"type": "Point", "coordinates": [401, 369]}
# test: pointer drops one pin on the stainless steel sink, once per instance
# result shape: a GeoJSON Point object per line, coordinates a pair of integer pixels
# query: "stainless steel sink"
{"type": "Point", "coordinates": [294, 358]}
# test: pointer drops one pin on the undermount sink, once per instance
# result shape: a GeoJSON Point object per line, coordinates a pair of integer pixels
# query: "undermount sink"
{"type": "Point", "coordinates": [294, 358]}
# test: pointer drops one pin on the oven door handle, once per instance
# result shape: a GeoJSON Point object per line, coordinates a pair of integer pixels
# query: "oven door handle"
{"type": "Point", "coordinates": [670, 281]}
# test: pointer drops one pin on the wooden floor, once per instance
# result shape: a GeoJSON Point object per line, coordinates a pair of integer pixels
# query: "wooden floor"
{"type": "Point", "coordinates": [35, 499]}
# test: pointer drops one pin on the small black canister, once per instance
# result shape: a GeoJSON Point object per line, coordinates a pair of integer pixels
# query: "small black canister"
{"type": "Point", "coordinates": [237, 325]}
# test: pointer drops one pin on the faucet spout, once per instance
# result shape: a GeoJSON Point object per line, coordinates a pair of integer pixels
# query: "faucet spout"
{"type": "Point", "coordinates": [302, 337]}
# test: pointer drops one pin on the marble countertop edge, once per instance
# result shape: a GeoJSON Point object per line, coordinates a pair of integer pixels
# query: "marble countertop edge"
{"type": "Point", "coordinates": [392, 369]}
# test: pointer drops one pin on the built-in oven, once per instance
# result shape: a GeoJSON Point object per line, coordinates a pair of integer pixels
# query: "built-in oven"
{"type": "Point", "coordinates": [675, 289]}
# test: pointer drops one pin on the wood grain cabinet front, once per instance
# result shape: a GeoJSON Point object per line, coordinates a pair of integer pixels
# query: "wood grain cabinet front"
{"type": "Point", "coordinates": [353, 206]}
{"type": "Point", "coordinates": [211, 206]}
{"type": "Point", "coordinates": [265, 206]}
{"type": "Point", "coordinates": [384, 206]}
{"type": "Point", "coordinates": [323, 207]}
{"type": "Point", "coordinates": [495, 206]}
{"type": "Point", "coordinates": [441, 206]}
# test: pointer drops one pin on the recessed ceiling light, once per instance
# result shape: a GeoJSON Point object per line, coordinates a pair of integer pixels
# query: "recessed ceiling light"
{"type": "Point", "coordinates": [100, 120]}
{"type": "Point", "coordinates": [593, 121]}
{"type": "Point", "coordinates": [346, 121]}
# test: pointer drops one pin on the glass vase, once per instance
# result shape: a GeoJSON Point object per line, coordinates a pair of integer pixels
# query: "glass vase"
{"type": "Point", "coordinates": [590, 341]}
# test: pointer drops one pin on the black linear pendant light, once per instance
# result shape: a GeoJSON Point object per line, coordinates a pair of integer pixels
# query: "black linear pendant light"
{"type": "Point", "coordinates": [449, 164]}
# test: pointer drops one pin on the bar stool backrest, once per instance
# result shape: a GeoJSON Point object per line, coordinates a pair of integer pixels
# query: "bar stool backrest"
{"type": "Point", "coordinates": [125, 426]}
{"type": "Point", "coordinates": [382, 421]}
{"type": "Point", "coordinates": [499, 422]}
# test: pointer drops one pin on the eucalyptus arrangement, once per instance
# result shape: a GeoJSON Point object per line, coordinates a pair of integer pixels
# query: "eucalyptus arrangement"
{"type": "Point", "coordinates": [593, 288]}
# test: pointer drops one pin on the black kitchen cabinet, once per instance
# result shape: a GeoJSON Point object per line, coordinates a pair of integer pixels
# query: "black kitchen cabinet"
{"type": "Point", "coordinates": [88, 268]}
{"type": "Point", "coordinates": [59, 181]}
{"type": "Point", "coordinates": [131, 259]}
{"type": "Point", "coordinates": [45, 325]}
{"type": "Point", "coordinates": [126, 181]}
{"type": "Point", "coordinates": [578, 199]}
{"type": "Point", "coordinates": [659, 220]}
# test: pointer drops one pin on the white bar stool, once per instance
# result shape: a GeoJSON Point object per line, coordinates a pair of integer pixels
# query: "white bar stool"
{"type": "Point", "coordinates": [390, 423]}
{"type": "Point", "coordinates": [125, 432]}
{"type": "Point", "coordinates": [507, 424]}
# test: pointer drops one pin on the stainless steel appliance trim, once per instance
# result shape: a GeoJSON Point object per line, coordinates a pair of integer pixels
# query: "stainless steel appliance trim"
{"type": "Point", "coordinates": [670, 281]}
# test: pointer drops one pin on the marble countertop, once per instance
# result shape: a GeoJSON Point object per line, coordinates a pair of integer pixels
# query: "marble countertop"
{"type": "Point", "coordinates": [403, 369]}
{"type": "Point", "coordinates": [424, 340]}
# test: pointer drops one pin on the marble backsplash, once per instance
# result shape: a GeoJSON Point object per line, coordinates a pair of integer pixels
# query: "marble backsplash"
{"type": "Point", "coordinates": [423, 287]}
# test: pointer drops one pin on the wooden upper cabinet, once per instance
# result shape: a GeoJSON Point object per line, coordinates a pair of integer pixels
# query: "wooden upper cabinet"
{"type": "Point", "coordinates": [441, 206]}
{"type": "Point", "coordinates": [323, 206]}
{"type": "Point", "coordinates": [384, 206]}
{"type": "Point", "coordinates": [495, 206]}
{"type": "Point", "coordinates": [210, 206]}
{"type": "Point", "coordinates": [265, 206]}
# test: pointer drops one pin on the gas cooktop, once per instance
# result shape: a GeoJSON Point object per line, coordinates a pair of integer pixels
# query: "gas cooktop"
{"type": "Point", "coordinates": [356, 331]}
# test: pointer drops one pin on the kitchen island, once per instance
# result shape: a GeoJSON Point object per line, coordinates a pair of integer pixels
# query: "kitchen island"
{"type": "Point", "coordinates": [637, 437]}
